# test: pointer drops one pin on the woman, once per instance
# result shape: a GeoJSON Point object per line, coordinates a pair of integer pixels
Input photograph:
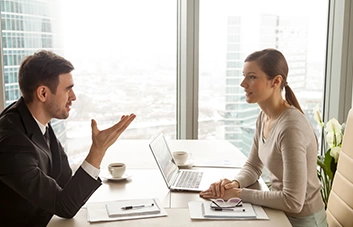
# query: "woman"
{"type": "Point", "coordinates": [284, 143]}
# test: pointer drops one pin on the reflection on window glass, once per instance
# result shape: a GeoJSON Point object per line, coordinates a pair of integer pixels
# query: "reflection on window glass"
{"type": "Point", "coordinates": [124, 53]}
{"type": "Point", "coordinates": [236, 29]}
{"type": "Point", "coordinates": [124, 57]}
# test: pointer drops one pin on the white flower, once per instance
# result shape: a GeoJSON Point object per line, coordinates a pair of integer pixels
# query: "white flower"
{"type": "Point", "coordinates": [333, 126]}
{"type": "Point", "coordinates": [317, 116]}
{"type": "Point", "coordinates": [335, 152]}
{"type": "Point", "coordinates": [333, 139]}
{"type": "Point", "coordinates": [333, 133]}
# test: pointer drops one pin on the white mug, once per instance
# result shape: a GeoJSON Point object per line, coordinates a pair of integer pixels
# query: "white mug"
{"type": "Point", "coordinates": [181, 157]}
{"type": "Point", "coordinates": [117, 169]}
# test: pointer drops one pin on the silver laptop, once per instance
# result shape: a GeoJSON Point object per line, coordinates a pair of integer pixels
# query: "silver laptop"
{"type": "Point", "coordinates": [176, 179]}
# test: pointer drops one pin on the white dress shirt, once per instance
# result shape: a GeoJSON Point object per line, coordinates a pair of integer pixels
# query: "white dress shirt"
{"type": "Point", "coordinates": [91, 170]}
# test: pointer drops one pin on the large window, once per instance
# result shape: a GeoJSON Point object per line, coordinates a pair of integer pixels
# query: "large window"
{"type": "Point", "coordinates": [134, 57]}
{"type": "Point", "coordinates": [236, 29]}
{"type": "Point", "coordinates": [124, 55]}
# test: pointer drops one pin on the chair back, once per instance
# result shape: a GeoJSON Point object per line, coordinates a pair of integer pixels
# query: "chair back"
{"type": "Point", "coordinates": [340, 203]}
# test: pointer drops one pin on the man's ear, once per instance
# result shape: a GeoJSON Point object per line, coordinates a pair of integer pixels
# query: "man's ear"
{"type": "Point", "coordinates": [42, 93]}
{"type": "Point", "coordinates": [277, 80]}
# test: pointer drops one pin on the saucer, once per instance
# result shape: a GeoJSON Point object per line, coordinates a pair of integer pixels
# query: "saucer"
{"type": "Point", "coordinates": [125, 176]}
{"type": "Point", "coordinates": [187, 165]}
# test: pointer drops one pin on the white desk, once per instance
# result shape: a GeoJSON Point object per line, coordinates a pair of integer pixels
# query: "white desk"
{"type": "Point", "coordinates": [176, 218]}
{"type": "Point", "coordinates": [137, 154]}
{"type": "Point", "coordinates": [147, 182]}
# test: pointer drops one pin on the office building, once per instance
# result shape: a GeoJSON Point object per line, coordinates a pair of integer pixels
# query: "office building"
{"type": "Point", "coordinates": [27, 26]}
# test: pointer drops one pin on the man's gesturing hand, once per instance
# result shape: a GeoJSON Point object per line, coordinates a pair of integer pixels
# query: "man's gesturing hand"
{"type": "Point", "coordinates": [103, 139]}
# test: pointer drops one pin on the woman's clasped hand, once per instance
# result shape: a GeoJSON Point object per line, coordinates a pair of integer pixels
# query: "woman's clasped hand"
{"type": "Point", "coordinates": [223, 188]}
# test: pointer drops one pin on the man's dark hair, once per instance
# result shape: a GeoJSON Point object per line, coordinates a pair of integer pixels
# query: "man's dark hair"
{"type": "Point", "coordinates": [41, 68]}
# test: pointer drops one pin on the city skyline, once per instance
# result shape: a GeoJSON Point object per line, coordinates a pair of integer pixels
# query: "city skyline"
{"type": "Point", "coordinates": [125, 60]}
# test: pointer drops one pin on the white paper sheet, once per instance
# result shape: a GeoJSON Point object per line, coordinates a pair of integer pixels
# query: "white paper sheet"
{"type": "Point", "coordinates": [195, 211]}
{"type": "Point", "coordinates": [97, 212]}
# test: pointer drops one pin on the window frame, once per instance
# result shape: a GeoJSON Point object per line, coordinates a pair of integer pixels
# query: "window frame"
{"type": "Point", "coordinates": [338, 74]}
{"type": "Point", "coordinates": [187, 69]}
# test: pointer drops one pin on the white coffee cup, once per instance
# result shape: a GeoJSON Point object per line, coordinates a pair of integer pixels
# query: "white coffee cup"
{"type": "Point", "coordinates": [117, 169]}
{"type": "Point", "coordinates": [181, 157]}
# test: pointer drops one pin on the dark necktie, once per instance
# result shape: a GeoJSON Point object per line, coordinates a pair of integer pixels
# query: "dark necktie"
{"type": "Point", "coordinates": [46, 136]}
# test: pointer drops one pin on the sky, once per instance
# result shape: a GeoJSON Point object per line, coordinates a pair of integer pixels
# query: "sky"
{"type": "Point", "coordinates": [105, 27]}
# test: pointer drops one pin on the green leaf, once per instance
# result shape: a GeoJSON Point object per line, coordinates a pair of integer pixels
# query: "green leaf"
{"type": "Point", "coordinates": [333, 167]}
{"type": "Point", "coordinates": [329, 170]}
{"type": "Point", "coordinates": [320, 162]}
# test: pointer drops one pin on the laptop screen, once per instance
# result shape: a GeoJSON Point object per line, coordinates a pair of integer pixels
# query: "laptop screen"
{"type": "Point", "coordinates": [164, 158]}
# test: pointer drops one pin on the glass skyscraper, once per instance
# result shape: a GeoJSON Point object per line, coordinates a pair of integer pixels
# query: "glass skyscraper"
{"type": "Point", "coordinates": [28, 26]}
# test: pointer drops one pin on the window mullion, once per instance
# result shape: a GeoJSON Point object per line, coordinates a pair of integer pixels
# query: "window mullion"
{"type": "Point", "coordinates": [187, 69]}
{"type": "Point", "coordinates": [338, 87]}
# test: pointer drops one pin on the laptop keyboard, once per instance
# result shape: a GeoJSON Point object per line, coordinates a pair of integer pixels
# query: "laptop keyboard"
{"type": "Point", "coordinates": [190, 179]}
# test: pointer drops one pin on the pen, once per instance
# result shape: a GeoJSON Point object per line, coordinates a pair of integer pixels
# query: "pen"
{"type": "Point", "coordinates": [137, 206]}
{"type": "Point", "coordinates": [230, 209]}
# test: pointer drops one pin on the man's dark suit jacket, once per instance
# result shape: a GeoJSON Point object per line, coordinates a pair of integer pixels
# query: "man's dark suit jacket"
{"type": "Point", "coordinates": [36, 181]}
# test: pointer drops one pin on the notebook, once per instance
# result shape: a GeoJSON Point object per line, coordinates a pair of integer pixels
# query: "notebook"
{"type": "Point", "coordinates": [110, 210]}
{"type": "Point", "coordinates": [135, 207]}
{"type": "Point", "coordinates": [173, 176]}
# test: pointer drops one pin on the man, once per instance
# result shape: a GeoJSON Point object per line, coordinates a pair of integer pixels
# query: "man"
{"type": "Point", "coordinates": [36, 181]}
